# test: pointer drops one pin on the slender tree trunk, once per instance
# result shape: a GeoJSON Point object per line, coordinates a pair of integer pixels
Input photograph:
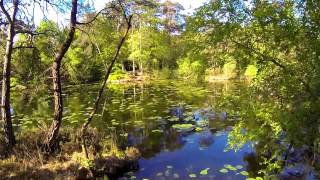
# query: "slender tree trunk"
{"type": "Point", "coordinates": [5, 95]}
{"type": "Point", "coordinates": [140, 47]}
{"type": "Point", "coordinates": [51, 140]}
{"type": "Point", "coordinates": [133, 60]}
{"type": "Point", "coordinates": [5, 98]}
{"type": "Point", "coordinates": [105, 80]}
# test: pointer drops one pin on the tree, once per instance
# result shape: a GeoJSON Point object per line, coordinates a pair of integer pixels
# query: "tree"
{"type": "Point", "coordinates": [51, 140]}
{"type": "Point", "coordinates": [280, 39]}
{"type": "Point", "coordinates": [106, 77]}
{"type": "Point", "coordinates": [5, 98]}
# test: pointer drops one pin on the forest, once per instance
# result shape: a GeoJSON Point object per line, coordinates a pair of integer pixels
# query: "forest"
{"type": "Point", "coordinates": [141, 89]}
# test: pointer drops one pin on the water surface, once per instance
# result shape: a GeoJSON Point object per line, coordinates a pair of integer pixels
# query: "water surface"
{"type": "Point", "coordinates": [143, 115]}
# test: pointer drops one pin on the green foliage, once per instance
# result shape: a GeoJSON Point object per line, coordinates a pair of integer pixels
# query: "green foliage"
{"type": "Point", "coordinates": [82, 160]}
{"type": "Point", "coordinates": [251, 72]}
{"type": "Point", "coordinates": [191, 68]}
{"type": "Point", "coordinates": [204, 171]}
{"type": "Point", "coordinates": [118, 74]}
{"type": "Point", "coordinates": [229, 68]}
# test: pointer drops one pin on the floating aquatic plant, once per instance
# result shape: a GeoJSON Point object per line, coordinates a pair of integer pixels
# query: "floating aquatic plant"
{"type": "Point", "coordinates": [204, 171]}
{"type": "Point", "coordinates": [223, 170]}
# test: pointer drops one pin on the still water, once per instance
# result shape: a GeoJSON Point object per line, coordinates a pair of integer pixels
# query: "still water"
{"type": "Point", "coordinates": [149, 116]}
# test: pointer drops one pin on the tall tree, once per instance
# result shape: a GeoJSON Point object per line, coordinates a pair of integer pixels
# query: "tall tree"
{"type": "Point", "coordinates": [52, 137]}
{"type": "Point", "coordinates": [51, 141]}
{"type": "Point", "coordinates": [5, 95]}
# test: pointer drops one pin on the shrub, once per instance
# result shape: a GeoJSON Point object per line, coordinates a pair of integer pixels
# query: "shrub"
{"type": "Point", "coordinates": [191, 69]}
{"type": "Point", "coordinates": [251, 72]}
{"type": "Point", "coordinates": [229, 69]}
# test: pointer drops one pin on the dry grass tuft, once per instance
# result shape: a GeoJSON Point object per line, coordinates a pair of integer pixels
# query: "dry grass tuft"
{"type": "Point", "coordinates": [28, 161]}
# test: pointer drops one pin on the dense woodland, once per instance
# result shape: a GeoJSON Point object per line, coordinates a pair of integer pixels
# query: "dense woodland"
{"type": "Point", "coordinates": [271, 45]}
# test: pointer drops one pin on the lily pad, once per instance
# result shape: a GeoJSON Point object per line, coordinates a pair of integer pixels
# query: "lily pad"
{"type": "Point", "coordinates": [184, 127]}
{"type": "Point", "coordinates": [230, 167]}
{"type": "Point", "coordinates": [176, 175]}
{"type": "Point", "coordinates": [173, 119]}
{"type": "Point", "coordinates": [224, 170]}
{"type": "Point", "coordinates": [198, 129]}
{"type": "Point", "coordinates": [245, 173]}
{"type": "Point", "coordinates": [157, 131]}
{"type": "Point", "coordinates": [239, 166]}
{"type": "Point", "coordinates": [159, 174]}
{"type": "Point", "coordinates": [204, 171]}
{"type": "Point", "coordinates": [192, 175]}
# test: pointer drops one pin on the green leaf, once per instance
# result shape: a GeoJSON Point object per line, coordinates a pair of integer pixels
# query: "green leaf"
{"type": "Point", "coordinates": [223, 170]}
{"type": "Point", "coordinates": [245, 173]}
{"type": "Point", "coordinates": [230, 167]}
{"type": "Point", "coordinates": [192, 175]}
{"type": "Point", "coordinates": [204, 171]}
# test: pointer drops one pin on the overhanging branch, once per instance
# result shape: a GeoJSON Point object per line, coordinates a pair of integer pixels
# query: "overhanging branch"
{"type": "Point", "coordinates": [5, 12]}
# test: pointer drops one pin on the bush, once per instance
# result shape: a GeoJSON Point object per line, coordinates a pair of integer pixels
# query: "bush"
{"type": "Point", "coordinates": [229, 69]}
{"type": "Point", "coordinates": [118, 74]}
{"type": "Point", "coordinates": [191, 69]}
{"type": "Point", "coordinates": [251, 72]}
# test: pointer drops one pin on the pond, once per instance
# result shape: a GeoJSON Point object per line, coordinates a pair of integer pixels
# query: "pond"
{"type": "Point", "coordinates": [180, 128]}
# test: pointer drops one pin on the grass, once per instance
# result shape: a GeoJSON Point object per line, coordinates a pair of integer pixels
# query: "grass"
{"type": "Point", "coordinates": [28, 162]}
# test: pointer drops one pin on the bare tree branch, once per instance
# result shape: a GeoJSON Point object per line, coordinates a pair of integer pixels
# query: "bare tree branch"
{"type": "Point", "coordinates": [94, 18]}
{"type": "Point", "coordinates": [5, 12]}
{"type": "Point", "coordinates": [24, 47]}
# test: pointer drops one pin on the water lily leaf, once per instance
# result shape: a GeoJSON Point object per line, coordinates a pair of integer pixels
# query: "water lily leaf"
{"type": "Point", "coordinates": [230, 167]}
{"type": "Point", "coordinates": [172, 119]}
{"type": "Point", "coordinates": [184, 127]}
{"type": "Point", "coordinates": [167, 173]}
{"type": "Point", "coordinates": [259, 178]}
{"type": "Point", "coordinates": [223, 170]}
{"type": "Point", "coordinates": [204, 171]}
{"type": "Point", "coordinates": [157, 131]}
{"type": "Point", "coordinates": [192, 175]}
{"type": "Point", "coordinates": [239, 166]}
{"type": "Point", "coordinates": [245, 173]}
{"type": "Point", "coordinates": [159, 174]}
{"type": "Point", "coordinates": [124, 135]}
{"type": "Point", "coordinates": [176, 175]}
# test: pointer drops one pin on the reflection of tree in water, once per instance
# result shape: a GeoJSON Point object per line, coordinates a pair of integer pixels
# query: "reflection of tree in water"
{"type": "Point", "coordinates": [206, 139]}
{"type": "Point", "coordinates": [253, 163]}
{"type": "Point", "coordinates": [280, 140]}
{"type": "Point", "coordinates": [150, 144]}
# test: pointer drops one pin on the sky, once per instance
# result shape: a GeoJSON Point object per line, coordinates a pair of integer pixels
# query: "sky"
{"type": "Point", "coordinates": [189, 6]}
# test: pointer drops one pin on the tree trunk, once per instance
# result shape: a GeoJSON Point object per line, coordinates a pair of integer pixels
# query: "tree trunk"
{"type": "Point", "coordinates": [51, 141]}
{"type": "Point", "coordinates": [5, 98]}
{"type": "Point", "coordinates": [5, 95]}
{"type": "Point", "coordinates": [106, 77]}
